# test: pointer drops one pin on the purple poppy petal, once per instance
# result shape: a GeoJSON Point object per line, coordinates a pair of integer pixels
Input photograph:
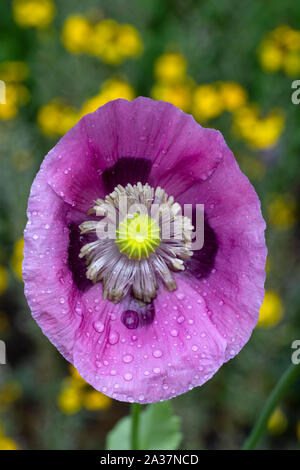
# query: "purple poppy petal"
{"type": "Point", "coordinates": [180, 350]}
{"type": "Point", "coordinates": [236, 234]}
{"type": "Point", "coordinates": [181, 151]}
{"type": "Point", "coordinates": [148, 353]}
{"type": "Point", "coordinates": [156, 135]}
{"type": "Point", "coordinates": [73, 170]}
{"type": "Point", "coordinates": [49, 286]}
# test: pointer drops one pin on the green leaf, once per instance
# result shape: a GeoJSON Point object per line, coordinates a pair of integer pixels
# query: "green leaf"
{"type": "Point", "coordinates": [159, 429]}
{"type": "Point", "coordinates": [119, 437]}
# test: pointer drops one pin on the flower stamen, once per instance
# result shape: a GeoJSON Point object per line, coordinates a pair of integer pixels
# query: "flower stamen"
{"type": "Point", "coordinates": [139, 236]}
{"type": "Point", "coordinates": [146, 248]}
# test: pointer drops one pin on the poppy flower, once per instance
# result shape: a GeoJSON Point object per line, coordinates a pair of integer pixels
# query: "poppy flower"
{"type": "Point", "coordinates": [143, 317]}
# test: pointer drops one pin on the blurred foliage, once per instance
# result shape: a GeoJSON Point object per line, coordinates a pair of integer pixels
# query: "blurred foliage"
{"type": "Point", "coordinates": [232, 66]}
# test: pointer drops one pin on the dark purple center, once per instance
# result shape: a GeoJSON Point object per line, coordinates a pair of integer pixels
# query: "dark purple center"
{"type": "Point", "coordinates": [127, 170]}
{"type": "Point", "coordinates": [202, 262]}
{"type": "Point", "coordinates": [77, 265]}
{"type": "Point", "coordinates": [147, 315]}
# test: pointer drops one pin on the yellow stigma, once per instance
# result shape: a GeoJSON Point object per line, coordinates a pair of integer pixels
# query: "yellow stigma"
{"type": "Point", "coordinates": [138, 236]}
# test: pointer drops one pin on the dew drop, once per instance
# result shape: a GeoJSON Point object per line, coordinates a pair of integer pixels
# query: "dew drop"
{"type": "Point", "coordinates": [157, 353]}
{"type": "Point", "coordinates": [98, 326]}
{"type": "Point", "coordinates": [130, 319]}
{"type": "Point", "coordinates": [127, 358]}
{"type": "Point", "coordinates": [180, 295]}
{"type": "Point", "coordinates": [128, 376]}
{"type": "Point", "coordinates": [113, 338]}
{"type": "Point", "coordinates": [174, 333]}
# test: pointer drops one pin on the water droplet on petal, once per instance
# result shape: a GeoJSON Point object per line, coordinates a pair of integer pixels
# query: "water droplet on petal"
{"type": "Point", "coordinates": [180, 295]}
{"type": "Point", "coordinates": [127, 358]}
{"type": "Point", "coordinates": [130, 319]}
{"type": "Point", "coordinates": [128, 376]}
{"type": "Point", "coordinates": [180, 319]}
{"type": "Point", "coordinates": [157, 353]}
{"type": "Point", "coordinates": [174, 333]}
{"type": "Point", "coordinates": [113, 338]}
{"type": "Point", "coordinates": [98, 326]}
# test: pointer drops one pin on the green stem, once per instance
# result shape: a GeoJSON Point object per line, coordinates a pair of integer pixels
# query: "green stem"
{"type": "Point", "coordinates": [135, 418]}
{"type": "Point", "coordinates": [276, 395]}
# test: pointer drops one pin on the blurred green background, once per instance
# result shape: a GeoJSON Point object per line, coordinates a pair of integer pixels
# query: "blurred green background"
{"type": "Point", "coordinates": [231, 65]}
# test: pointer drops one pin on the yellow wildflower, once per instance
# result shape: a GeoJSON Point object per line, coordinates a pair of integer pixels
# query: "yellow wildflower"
{"type": "Point", "coordinates": [170, 68]}
{"type": "Point", "coordinates": [76, 392]}
{"type": "Point", "coordinates": [271, 311]}
{"type": "Point", "coordinates": [291, 64]}
{"type": "Point", "coordinates": [33, 13]}
{"type": "Point", "coordinates": [270, 56]}
{"type": "Point", "coordinates": [111, 90]}
{"type": "Point", "coordinates": [3, 279]}
{"type": "Point", "coordinates": [278, 422]}
{"type": "Point", "coordinates": [107, 39]}
{"type": "Point", "coordinates": [104, 42]}
{"type": "Point", "coordinates": [282, 211]}
{"type": "Point", "coordinates": [207, 102]}
{"type": "Point", "coordinates": [17, 258]}
{"type": "Point", "coordinates": [9, 109]}
{"type": "Point", "coordinates": [129, 41]}
{"type": "Point", "coordinates": [178, 94]}
{"type": "Point", "coordinates": [15, 95]}
{"type": "Point", "coordinates": [70, 400]}
{"type": "Point", "coordinates": [7, 444]}
{"type": "Point", "coordinates": [77, 380]}
{"type": "Point", "coordinates": [286, 36]}
{"type": "Point", "coordinates": [259, 132]}
{"type": "Point", "coordinates": [94, 400]}
{"type": "Point", "coordinates": [56, 118]}
{"type": "Point", "coordinates": [281, 49]}
{"type": "Point", "coordinates": [233, 95]}
{"type": "Point", "coordinates": [77, 34]}
{"type": "Point", "coordinates": [113, 42]}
